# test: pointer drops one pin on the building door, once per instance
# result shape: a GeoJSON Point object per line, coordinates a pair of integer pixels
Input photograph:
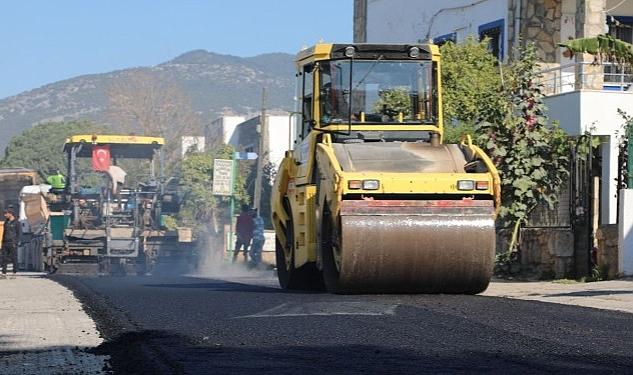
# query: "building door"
{"type": "Point", "coordinates": [584, 208]}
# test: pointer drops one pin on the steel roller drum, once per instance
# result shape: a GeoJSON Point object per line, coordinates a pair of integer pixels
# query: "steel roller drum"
{"type": "Point", "coordinates": [441, 246]}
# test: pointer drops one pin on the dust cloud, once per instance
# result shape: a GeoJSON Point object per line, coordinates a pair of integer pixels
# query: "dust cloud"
{"type": "Point", "coordinates": [214, 262]}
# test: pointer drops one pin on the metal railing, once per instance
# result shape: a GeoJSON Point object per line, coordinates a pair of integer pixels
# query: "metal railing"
{"type": "Point", "coordinates": [586, 75]}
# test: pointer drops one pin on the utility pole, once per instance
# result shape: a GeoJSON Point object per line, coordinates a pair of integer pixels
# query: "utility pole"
{"type": "Point", "coordinates": [262, 159]}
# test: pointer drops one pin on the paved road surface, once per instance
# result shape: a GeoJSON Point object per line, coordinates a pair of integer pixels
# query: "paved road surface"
{"type": "Point", "coordinates": [247, 325]}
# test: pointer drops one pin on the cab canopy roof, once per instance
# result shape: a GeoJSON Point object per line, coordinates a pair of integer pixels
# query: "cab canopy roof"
{"type": "Point", "coordinates": [366, 51]}
{"type": "Point", "coordinates": [121, 146]}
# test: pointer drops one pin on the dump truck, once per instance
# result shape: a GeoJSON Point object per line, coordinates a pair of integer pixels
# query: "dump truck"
{"type": "Point", "coordinates": [101, 223]}
{"type": "Point", "coordinates": [370, 199]}
{"type": "Point", "coordinates": [12, 180]}
{"type": "Point", "coordinates": [12, 183]}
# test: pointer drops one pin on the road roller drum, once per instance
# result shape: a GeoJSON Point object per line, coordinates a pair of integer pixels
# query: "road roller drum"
{"type": "Point", "coordinates": [415, 247]}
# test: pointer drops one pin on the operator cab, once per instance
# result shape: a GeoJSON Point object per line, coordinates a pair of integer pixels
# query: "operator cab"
{"type": "Point", "coordinates": [370, 92]}
{"type": "Point", "coordinates": [99, 194]}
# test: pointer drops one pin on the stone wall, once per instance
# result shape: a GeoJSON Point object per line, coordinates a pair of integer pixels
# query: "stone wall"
{"type": "Point", "coordinates": [546, 253]}
{"type": "Point", "coordinates": [540, 24]}
{"type": "Point", "coordinates": [607, 252]}
{"type": "Point", "coordinates": [590, 22]}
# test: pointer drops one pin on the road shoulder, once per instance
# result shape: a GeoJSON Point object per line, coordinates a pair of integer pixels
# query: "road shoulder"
{"type": "Point", "coordinates": [607, 295]}
{"type": "Point", "coordinates": [44, 329]}
{"type": "Point", "coordinates": [130, 348]}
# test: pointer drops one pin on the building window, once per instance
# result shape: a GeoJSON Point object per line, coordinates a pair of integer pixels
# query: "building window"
{"type": "Point", "coordinates": [616, 76]}
{"type": "Point", "coordinates": [621, 27]}
{"type": "Point", "coordinates": [443, 39]}
{"type": "Point", "coordinates": [494, 32]}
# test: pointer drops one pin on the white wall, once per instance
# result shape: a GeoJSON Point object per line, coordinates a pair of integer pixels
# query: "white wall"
{"type": "Point", "coordinates": [229, 123]}
{"type": "Point", "coordinates": [279, 137]}
{"type": "Point", "coordinates": [222, 130]}
{"type": "Point", "coordinates": [408, 21]}
{"type": "Point", "coordinates": [597, 112]}
{"type": "Point", "coordinates": [625, 229]}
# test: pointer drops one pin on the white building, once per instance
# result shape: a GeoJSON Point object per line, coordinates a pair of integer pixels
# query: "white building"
{"type": "Point", "coordinates": [247, 136]}
{"type": "Point", "coordinates": [405, 21]}
{"type": "Point", "coordinates": [244, 135]}
{"type": "Point", "coordinates": [221, 130]}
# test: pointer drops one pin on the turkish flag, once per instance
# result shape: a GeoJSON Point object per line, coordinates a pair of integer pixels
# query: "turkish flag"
{"type": "Point", "coordinates": [100, 158]}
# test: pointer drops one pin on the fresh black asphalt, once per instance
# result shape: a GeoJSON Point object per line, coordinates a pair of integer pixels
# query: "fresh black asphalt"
{"type": "Point", "coordinates": [195, 325]}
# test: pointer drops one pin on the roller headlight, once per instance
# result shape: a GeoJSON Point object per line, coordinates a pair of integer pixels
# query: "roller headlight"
{"type": "Point", "coordinates": [371, 184]}
{"type": "Point", "coordinates": [465, 185]}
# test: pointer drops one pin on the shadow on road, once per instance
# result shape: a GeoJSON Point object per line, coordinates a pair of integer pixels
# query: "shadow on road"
{"type": "Point", "coordinates": [50, 360]}
{"type": "Point", "coordinates": [590, 293]}
{"type": "Point", "coordinates": [161, 352]}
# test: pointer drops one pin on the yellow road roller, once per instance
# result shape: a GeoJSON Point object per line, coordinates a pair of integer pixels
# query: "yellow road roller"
{"type": "Point", "coordinates": [370, 200]}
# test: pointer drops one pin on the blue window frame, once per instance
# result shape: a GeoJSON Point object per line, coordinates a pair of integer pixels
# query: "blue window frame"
{"type": "Point", "coordinates": [439, 40]}
{"type": "Point", "coordinates": [495, 32]}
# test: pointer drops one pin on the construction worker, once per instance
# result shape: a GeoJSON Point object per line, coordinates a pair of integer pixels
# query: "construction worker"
{"type": "Point", "coordinates": [57, 181]}
{"type": "Point", "coordinates": [244, 229]}
{"type": "Point", "coordinates": [258, 239]}
{"type": "Point", "coordinates": [10, 240]}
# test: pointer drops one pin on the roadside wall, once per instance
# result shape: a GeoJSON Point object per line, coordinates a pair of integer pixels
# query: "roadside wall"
{"type": "Point", "coordinates": [607, 252]}
{"type": "Point", "coordinates": [545, 253]}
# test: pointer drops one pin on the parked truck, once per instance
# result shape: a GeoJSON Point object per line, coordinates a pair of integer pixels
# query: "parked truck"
{"type": "Point", "coordinates": [12, 183]}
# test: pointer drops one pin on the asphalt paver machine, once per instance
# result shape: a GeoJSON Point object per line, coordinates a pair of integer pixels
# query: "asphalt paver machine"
{"type": "Point", "coordinates": [107, 225]}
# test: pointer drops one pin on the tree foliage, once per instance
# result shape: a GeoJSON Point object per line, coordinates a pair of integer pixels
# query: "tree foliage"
{"type": "Point", "coordinates": [40, 148]}
{"type": "Point", "coordinates": [393, 101]}
{"type": "Point", "coordinates": [201, 209]}
{"type": "Point", "coordinates": [472, 87]}
{"type": "Point", "coordinates": [145, 103]}
{"type": "Point", "coordinates": [531, 155]}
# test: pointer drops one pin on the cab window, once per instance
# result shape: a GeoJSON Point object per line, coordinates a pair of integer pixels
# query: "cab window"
{"type": "Point", "coordinates": [308, 86]}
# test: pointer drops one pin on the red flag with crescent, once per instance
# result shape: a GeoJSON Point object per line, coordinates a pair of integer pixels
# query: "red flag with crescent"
{"type": "Point", "coordinates": [100, 158]}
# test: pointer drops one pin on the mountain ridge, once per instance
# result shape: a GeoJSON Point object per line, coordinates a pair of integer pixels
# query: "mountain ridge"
{"type": "Point", "coordinates": [213, 84]}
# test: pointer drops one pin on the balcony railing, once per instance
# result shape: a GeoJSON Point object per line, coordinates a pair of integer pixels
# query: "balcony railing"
{"type": "Point", "coordinates": [586, 76]}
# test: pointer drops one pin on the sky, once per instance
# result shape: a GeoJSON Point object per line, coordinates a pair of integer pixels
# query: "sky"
{"type": "Point", "coordinates": [43, 41]}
